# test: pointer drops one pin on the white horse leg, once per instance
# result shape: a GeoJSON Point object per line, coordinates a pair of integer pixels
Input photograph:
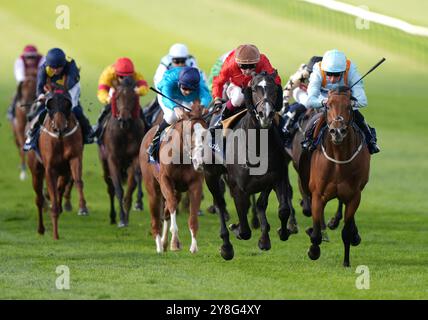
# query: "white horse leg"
{"type": "Point", "coordinates": [159, 247]}
{"type": "Point", "coordinates": [194, 245]}
{"type": "Point", "coordinates": [175, 242]}
{"type": "Point", "coordinates": [165, 235]}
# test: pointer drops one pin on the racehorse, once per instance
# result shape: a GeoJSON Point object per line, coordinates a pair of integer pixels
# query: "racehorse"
{"type": "Point", "coordinates": [339, 168]}
{"type": "Point", "coordinates": [118, 150]}
{"type": "Point", "coordinates": [26, 94]}
{"type": "Point", "coordinates": [165, 181]}
{"type": "Point", "coordinates": [262, 99]}
{"type": "Point", "coordinates": [61, 150]}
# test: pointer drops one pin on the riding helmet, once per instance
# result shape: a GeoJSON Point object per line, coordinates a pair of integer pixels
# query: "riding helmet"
{"type": "Point", "coordinates": [334, 61]}
{"type": "Point", "coordinates": [124, 67]}
{"type": "Point", "coordinates": [56, 58]}
{"type": "Point", "coordinates": [189, 78]}
{"type": "Point", "coordinates": [247, 54]}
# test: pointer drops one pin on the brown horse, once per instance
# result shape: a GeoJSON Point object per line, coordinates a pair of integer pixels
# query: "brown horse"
{"type": "Point", "coordinates": [339, 168]}
{"type": "Point", "coordinates": [119, 148]}
{"type": "Point", "coordinates": [168, 179]}
{"type": "Point", "coordinates": [26, 94]}
{"type": "Point", "coordinates": [61, 151]}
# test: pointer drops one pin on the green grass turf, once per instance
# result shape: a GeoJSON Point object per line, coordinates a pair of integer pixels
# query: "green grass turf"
{"type": "Point", "coordinates": [106, 262]}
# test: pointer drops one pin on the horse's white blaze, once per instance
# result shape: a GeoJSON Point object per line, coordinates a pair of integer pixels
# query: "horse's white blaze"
{"type": "Point", "coordinates": [194, 245]}
{"type": "Point", "coordinates": [165, 232]}
{"type": "Point", "coordinates": [262, 83]}
{"type": "Point", "coordinates": [159, 247]}
{"type": "Point", "coordinates": [197, 152]}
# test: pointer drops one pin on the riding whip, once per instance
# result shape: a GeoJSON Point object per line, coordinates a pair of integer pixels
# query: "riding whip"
{"type": "Point", "coordinates": [374, 67]}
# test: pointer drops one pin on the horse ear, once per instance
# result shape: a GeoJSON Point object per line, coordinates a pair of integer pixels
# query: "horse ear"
{"type": "Point", "coordinates": [248, 98]}
{"type": "Point", "coordinates": [275, 74]}
{"type": "Point", "coordinates": [196, 108]}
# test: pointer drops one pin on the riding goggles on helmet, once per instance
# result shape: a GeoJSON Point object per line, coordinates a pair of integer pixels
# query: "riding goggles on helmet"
{"type": "Point", "coordinates": [247, 66]}
{"type": "Point", "coordinates": [179, 60]}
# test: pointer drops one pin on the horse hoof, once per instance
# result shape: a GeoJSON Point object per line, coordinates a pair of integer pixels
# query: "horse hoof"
{"type": "Point", "coordinates": [307, 212]}
{"type": "Point", "coordinates": [333, 224]}
{"type": "Point", "coordinates": [139, 206]}
{"type": "Point", "coordinates": [211, 209]}
{"type": "Point", "coordinates": [175, 245]}
{"type": "Point", "coordinates": [309, 231]}
{"type": "Point", "coordinates": [41, 231]}
{"type": "Point", "coordinates": [346, 264]}
{"type": "Point", "coordinates": [83, 212]}
{"type": "Point", "coordinates": [68, 207]}
{"type": "Point", "coordinates": [325, 236]}
{"type": "Point", "coordinates": [314, 252]}
{"type": "Point", "coordinates": [283, 234]}
{"type": "Point", "coordinates": [356, 240]}
{"type": "Point", "coordinates": [264, 245]}
{"type": "Point", "coordinates": [292, 228]}
{"type": "Point", "coordinates": [255, 223]}
{"type": "Point", "coordinates": [23, 176]}
{"type": "Point", "coordinates": [227, 252]}
{"type": "Point", "coordinates": [226, 216]}
{"type": "Point", "coordinates": [122, 225]}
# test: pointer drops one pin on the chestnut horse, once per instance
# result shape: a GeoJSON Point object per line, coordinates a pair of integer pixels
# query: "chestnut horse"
{"type": "Point", "coordinates": [339, 168]}
{"type": "Point", "coordinates": [119, 148]}
{"type": "Point", "coordinates": [26, 94]}
{"type": "Point", "coordinates": [165, 181]}
{"type": "Point", "coordinates": [61, 151]}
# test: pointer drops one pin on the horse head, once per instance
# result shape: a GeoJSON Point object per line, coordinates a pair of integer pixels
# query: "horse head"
{"type": "Point", "coordinates": [27, 92]}
{"type": "Point", "coordinates": [262, 100]}
{"type": "Point", "coordinates": [195, 133]}
{"type": "Point", "coordinates": [125, 99]}
{"type": "Point", "coordinates": [58, 104]}
{"type": "Point", "coordinates": [339, 113]}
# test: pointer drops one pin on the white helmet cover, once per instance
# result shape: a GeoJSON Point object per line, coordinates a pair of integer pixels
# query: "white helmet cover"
{"type": "Point", "coordinates": [178, 50]}
{"type": "Point", "coordinates": [334, 61]}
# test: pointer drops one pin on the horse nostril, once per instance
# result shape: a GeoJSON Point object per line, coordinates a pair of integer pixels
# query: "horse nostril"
{"type": "Point", "coordinates": [271, 114]}
{"type": "Point", "coordinates": [332, 131]}
{"type": "Point", "coordinates": [343, 131]}
{"type": "Point", "coordinates": [260, 114]}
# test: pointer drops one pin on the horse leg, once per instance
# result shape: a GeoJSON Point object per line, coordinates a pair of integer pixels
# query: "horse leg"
{"type": "Point", "coordinates": [118, 190]}
{"type": "Point", "coordinates": [40, 198]}
{"type": "Point", "coordinates": [214, 185]}
{"type": "Point", "coordinates": [51, 180]}
{"type": "Point", "coordinates": [305, 202]}
{"type": "Point", "coordinates": [262, 203]}
{"type": "Point", "coordinates": [67, 196]}
{"type": "Point", "coordinates": [131, 185]}
{"type": "Point", "coordinates": [284, 210]}
{"type": "Point", "coordinates": [171, 204]}
{"type": "Point", "coordinates": [315, 232]}
{"type": "Point", "coordinates": [292, 221]}
{"type": "Point", "coordinates": [255, 222]}
{"type": "Point", "coordinates": [350, 234]}
{"type": "Point", "coordinates": [155, 204]}
{"type": "Point", "coordinates": [76, 172]}
{"type": "Point", "coordinates": [62, 182]}
{"type": "Point", "coordinates": [335, 221]}
{"type": "Point", "coordinates": [110, 190]}
{"type": "Point", "coordinates": [242, 204]}
{"type": "Point", "coordinates": [195, 197]}
{"type": "Point", "coordinates": [139, 206]}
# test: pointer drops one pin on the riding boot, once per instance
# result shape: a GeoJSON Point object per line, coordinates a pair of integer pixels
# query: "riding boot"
{"type": "Point", "coordinates": [308, 142]}
{"type": "Point", "coordinates": [288, 127]}
{"type": "Point", "coordinates": [369, 132]}
{"type": "Point", "coordinates": [85, 124]}
{"type": "Point", "coordinates": [98, 128]}
{"type": "Point", "coordinates": [154, 146]}
{"type": "Point", "coordinates": [32, 133]}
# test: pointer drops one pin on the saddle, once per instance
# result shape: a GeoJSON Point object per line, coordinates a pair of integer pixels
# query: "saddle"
{"type": "Point", "coordinates": [232, 120]}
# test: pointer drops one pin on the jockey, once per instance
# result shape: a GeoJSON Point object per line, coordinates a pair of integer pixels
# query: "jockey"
{"type": "Point", "coordinates": [116, 72]}
{"type": "Point", "coordinates": [238, 69]}
{"type": "Point", "coordinates": [296, 87]}
{"type": "Point", "coordinates": [27, 64]}
{"type": "Point", "coordinates": [178, 56]}
{"type": "Point", "coordinates": [61, 70]}
{"type": "Point", "coordinates": [216, 68]}
{"type": "Point", "coordinates": [336, 70]}
{"type": "Point", "coordinates": [184, 85]}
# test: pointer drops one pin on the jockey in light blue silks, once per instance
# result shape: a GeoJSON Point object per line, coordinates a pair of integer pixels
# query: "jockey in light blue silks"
{"type": "Point", "coordinates": [333, 71]}
{"type": "Point", "coordinates": [184, 85]}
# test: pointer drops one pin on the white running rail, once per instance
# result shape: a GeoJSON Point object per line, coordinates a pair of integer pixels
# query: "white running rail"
{"type": "Point", "coordinates": [371, 16]}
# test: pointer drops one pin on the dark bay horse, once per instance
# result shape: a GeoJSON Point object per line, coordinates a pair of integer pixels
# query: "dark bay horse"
{"type": "Point", "coordinates": [165, 181]}
{"type": "Point", "coordinates": [262, 100]}
{"type": "Point", "coordinates": [339, 168]}
{"type": "Point", "coordinates": [61, 152]}
{"type": "Point", "coordinates": [26, 94]}
{"type": "Point", "coordinates": [120, 146]}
